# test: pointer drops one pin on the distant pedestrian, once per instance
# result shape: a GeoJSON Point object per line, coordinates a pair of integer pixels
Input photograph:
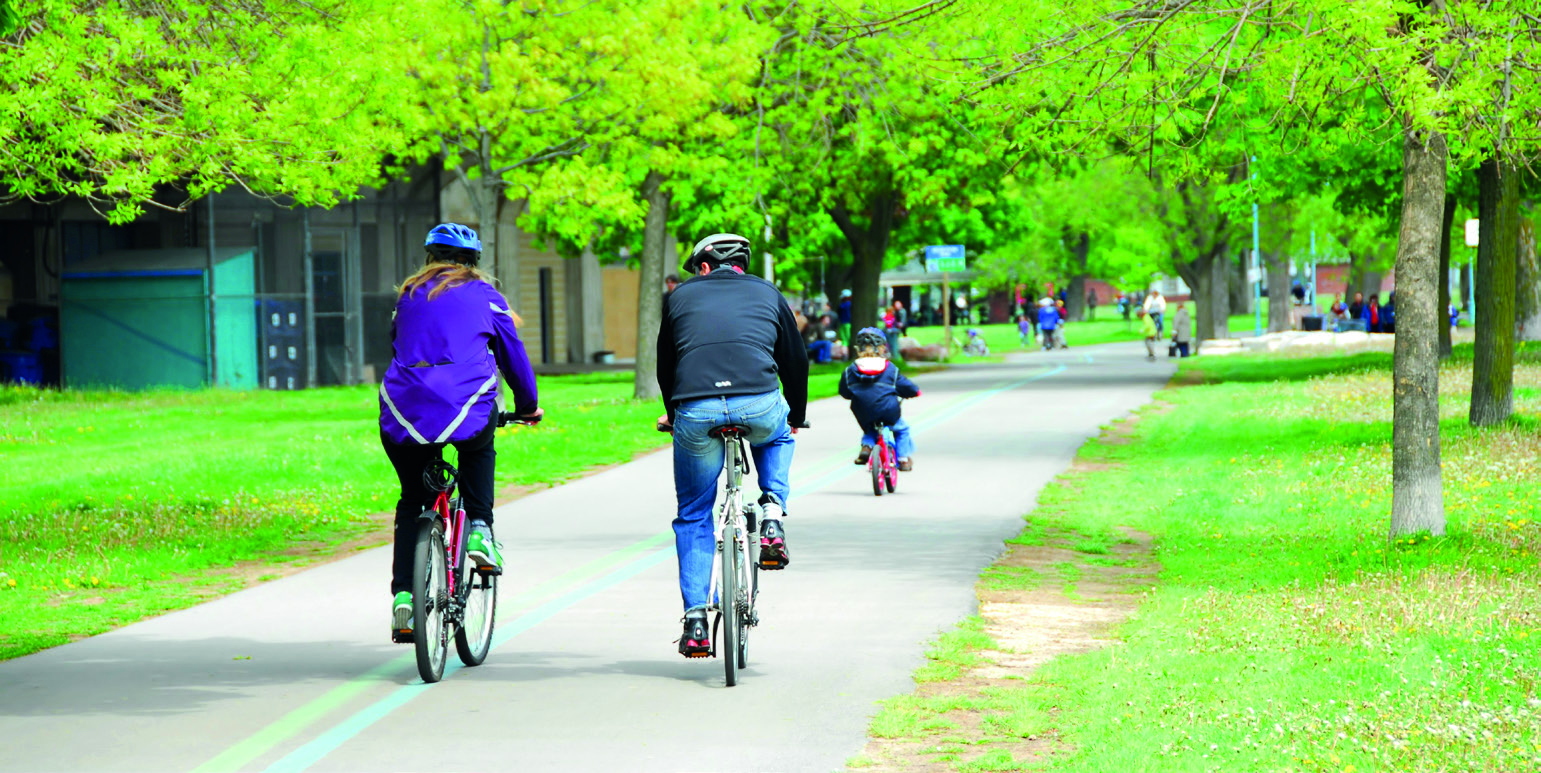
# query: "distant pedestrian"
{"type": "Point", "coordinates": [1155, 306]}
{"type": "Point", "coordinates": [901, 316]}
{"type": "Point", "coordinates": [1182, 330]}
{"type": "Point", "coordinates": [1059, 331]}
{"type": "Point", "coordinates": [1356, 308]}
{"type": "Point", "coordinates": [1370, 314]}
{"type": "Point", "coordinates": [1025, 331]}
{"type": "Point", "coordinates": [670, 282]}
{"type": "Point", "coordinates": [843, 313]}
{"type": "Point", "coordinates": [1091, 304]}
{"type": "Point", "coordinates": [1148, 330]}
{"type": "Point", "coordinates": [1388, 314]}
{"type": "Point", "coordinates": [1048, 322]}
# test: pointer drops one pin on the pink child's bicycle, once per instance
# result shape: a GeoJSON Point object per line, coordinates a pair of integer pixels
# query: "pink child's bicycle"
{"type": "Point", "coordinates": [883, 465]}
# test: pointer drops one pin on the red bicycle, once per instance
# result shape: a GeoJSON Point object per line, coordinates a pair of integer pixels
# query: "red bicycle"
{"type": "Point", "coordinates": [883, 465]}
{"type": "Point", "coordinates": [451, 597]}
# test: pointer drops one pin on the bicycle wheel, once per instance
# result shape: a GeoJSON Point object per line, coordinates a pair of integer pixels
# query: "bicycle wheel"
{"type": "Point", "coordinates": [728, 605]}
{"type": "Point", "coordinates": [430, 601]}
{"type": "Point", "coordinates": [875, 466]}
{"type": "Point", "coordinates": [751, 583]}
{"type": "Point", "coordinates": [474, 636]}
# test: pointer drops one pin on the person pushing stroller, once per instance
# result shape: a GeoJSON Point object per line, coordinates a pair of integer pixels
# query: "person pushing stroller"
{"type": "Point", "coordinates": [874, 385]}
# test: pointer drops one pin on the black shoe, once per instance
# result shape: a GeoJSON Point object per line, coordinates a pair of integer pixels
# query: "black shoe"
{"type": "Point", "coordinates": [695, 641]}
{"type": "Point", "coordinates": [773, 545]}
{"type": "Point", "coordinates": [866, 453]}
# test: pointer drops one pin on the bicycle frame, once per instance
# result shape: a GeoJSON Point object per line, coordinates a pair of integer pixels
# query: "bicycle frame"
{"type": "Point", "coordinates": [730, 521]}
{"type": "Point", "coordinates": [446, 507]}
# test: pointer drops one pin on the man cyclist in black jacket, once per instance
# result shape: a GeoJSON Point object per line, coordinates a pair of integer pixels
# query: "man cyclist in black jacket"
{"type": "Point", "coordinates": [725, 339]}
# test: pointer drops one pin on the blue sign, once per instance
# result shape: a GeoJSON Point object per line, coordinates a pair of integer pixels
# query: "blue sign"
{"type": "Point", "coordinates": [945, 258]}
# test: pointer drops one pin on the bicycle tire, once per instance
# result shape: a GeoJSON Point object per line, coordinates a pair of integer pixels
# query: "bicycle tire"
{"type": "Point", "coordinates": [727, 601]}
{"type": "Point", "coordinates": [875, 466]}
{"type": "Point", "coordinates": [430, 602]}
{"type": "Point", "coordinates": [748, 614]}
{"type": "Point", "coordinates": [891, 480]}
{"type": "Point", "coordinates": [473, 638]}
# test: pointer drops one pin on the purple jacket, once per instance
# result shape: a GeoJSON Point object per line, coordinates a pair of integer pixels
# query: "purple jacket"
{"type": "Point", "coordinates": [442, 384]}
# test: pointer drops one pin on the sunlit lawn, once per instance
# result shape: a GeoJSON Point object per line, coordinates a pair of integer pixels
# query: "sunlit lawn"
{"type": "Point", "coordinates": [1285, 631]}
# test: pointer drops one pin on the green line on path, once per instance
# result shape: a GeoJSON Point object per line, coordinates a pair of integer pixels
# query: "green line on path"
{"type": "Point", "coordinates": [287, 726]}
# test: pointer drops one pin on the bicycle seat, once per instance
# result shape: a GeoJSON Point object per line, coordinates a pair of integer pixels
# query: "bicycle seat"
{"type": "Point", "coordinates": [728, 430]}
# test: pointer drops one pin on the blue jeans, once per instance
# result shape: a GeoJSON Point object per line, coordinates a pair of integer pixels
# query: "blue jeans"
{"type": "Point", "coordinates": [698, 460]}
{"type": "Point", "coordinates": [820, 351]}
{"type": "Point", "coordinates": [904, 445]}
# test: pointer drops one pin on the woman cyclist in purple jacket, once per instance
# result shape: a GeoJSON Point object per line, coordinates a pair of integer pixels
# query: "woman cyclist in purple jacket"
{"type": "Point", "coordinates": [452, 334]}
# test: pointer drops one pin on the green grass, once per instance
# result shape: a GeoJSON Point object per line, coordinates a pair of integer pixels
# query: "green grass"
{"type": "Point", "coordinates": [111, 500]}
{"type": "Point", "coordinates": [955, 651]}
{"type": "Point", "coordinates": [1285, 631]}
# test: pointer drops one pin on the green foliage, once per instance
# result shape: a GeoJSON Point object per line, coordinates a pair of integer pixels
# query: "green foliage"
{"type": "Point", "coordinates": [113, 102]}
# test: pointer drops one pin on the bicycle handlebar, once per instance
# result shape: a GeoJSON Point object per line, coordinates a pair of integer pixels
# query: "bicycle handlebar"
{"type": "Point", "coordinates": [506, 418]}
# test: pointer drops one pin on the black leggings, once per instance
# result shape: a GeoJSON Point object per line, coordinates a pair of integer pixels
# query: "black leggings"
{"type": "Point", "coordinates": [476, 464]}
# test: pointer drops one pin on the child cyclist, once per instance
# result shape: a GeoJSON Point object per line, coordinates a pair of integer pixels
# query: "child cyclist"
{"type": "Point", "coordinates": [874, 386]}
{"type": "Point", "coordinates": [453, 334]}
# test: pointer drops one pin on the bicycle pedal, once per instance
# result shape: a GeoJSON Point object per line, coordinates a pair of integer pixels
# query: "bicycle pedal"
{"type": "Point", "coordinates": [490, 571]}
{"type": "Point", "coordinates": [401, 637]}
{"type": "Point", "coordinates": [695, 655]}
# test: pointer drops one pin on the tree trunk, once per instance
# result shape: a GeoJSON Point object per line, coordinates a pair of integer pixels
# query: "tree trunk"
{"type": "Point", "coordinates": [869, 247]}
{"type": "Point", "coordinates": [650, 286]}
{"type": "Point", "coordinates": [1238, 290]}
{"type": "Point", "coordinates": [1279, 301]}
{"type": "Point", "coordinates": [1206, 277]}
{"type": "Point", "coordinates": [1417, 491]}
{"type": "Point", "coordinates": [1528, 285]}
{"type": "Point", "coordinates": [490, 190]}
{"type": "Point", "coordinates": [1492, 385]}
{"type": "Point", "coordinates": [1075, 305]}
{"type": "Point", "coordinates": [1446, 348]}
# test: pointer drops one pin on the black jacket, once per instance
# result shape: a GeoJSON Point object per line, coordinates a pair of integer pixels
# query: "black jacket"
{"type": "Point", "coordinates": [875, 398]}
{"type": "Point", "coordinates": [726, 334]}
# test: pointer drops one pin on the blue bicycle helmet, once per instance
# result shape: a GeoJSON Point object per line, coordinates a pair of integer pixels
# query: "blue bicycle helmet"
{"type": "Point", "coordinates": [455, 243]}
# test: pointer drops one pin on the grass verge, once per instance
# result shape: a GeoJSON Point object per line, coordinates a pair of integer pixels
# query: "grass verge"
{"type": "Point", "coordinates": [1285, 631]}
{"type": "Point", "coordinates": [119, 505]}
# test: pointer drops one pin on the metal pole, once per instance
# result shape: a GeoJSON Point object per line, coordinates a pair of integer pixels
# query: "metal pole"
{"type": "Point", "coordinates": [946, 314]}
{"type": "Point", "coordinates": [1314, 278]}
{"type": "Point", "coordinates": [310, 303]}
{"type": "Point", "coordinates": [209, 280]}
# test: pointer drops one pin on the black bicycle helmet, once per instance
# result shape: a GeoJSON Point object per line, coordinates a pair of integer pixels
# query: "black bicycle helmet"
{"type": "Point", "coordinates": [718, 249]}
{"type": "Point", "coordinates": [870, 339]}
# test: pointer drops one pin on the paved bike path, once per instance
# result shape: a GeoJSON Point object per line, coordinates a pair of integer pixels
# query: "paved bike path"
{"type": "Point", "coordinates": [297, 674]}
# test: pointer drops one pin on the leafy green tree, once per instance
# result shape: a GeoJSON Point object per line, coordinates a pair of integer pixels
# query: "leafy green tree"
{"type": "Point", "coordinates": [853, 138]}
{"type": "Point", "coordinates": [1149, 72]}
{"type": "Point", "coordinates": [119, 102]}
